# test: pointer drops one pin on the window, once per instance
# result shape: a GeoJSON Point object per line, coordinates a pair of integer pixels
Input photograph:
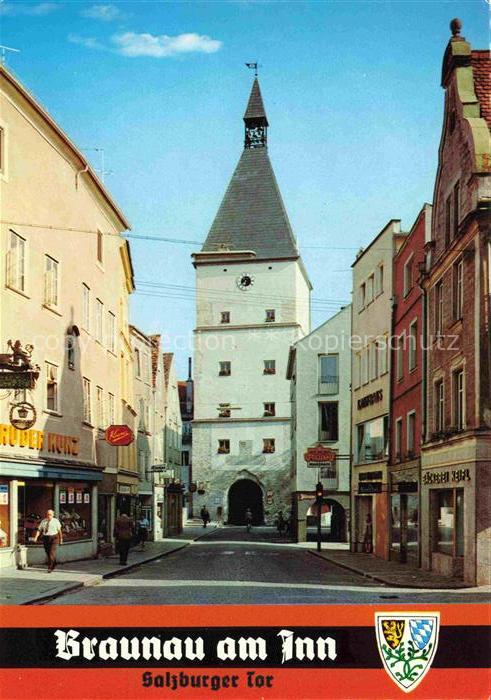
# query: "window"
{"type": "Point", "coordinates": [361, 297]}
{"type": "Point", "coordinates": [400, 358]}
{"type": "Point", "coordinates": [448, 220]}
{"type": "Point", "coordinates": [458, 399]}
{"type": "Point", "coordinates": [398, 445]}
{"type": "Point", "coordinates": [224, 447]}
{"type": "Point", "coordinates": [328, 421]}
{"type": "Point", "coordinates": [224, 410]}
{"type": "Point", "coordinates": [357, 371]}
{"type": "Point", "coordinates": [458, 289]}
{"type": "Point", "coordinates": [411, 432]}
{"type": "Point", "coordinates": [373, 440]}
{"type": "Point", "coordinates": [87, 401]}
{"type": "Point", "coordinates": [225, 369]}
{"type": "Point", "coordinates": [268, 445]}
{"type": "Point", "coordinates": [100, 246]}
{"type": "Point", "coordinates": [269, 367]}
{"type": "Point", "coordinates": [51, 387]}
{"type": "Point", "coordinates": [372, 361]}
{"type": "Point", "coordinates": [100, 407]}
{"type": "Point", "coordinates": [456, 208]}
{"type": "Point", "coordinates": [225, 317]}
{"type": "Point", "coordinates": [449, 525]}
{"type": "Point", "coordinates": [413, 342]}
{"type": "Point", "coordinates": [16, 262]}
{"type": "Point", "coordinates": [50, 281]}
{"type": "Point", "coordinates": [369, 290]}
{"type": "Point", "coordinates": [439, 406]}
{"type": "Point", "coordinates": [2, 155]}
{"type": "Point", "coordinates": [110, 408]}
{"type": "Point", "coordinates": [86, 306]}
{"type": "Point", "coordinates": [111, 331]}
{"type": "Point", "coordinates": [379, 280]}
{"type": "Point", "coordinates": [408, 275]}
{"type": "Point", "coordinates": [439, 308]}
{"type": "Point", "coordinates": [99, 315]}
{"type": "Point", "coordinates": [138, 367]}
{"type": "Point", "coordinates": [328, 374]}
{"type": "Point", "coordinates": [269, 409]}
{"type": "Point", "coordinates": [270, 315]}
{"type": "Point", "coordinates": [364, 366]}
{"type": "Point", "coordinates": [146, 367]}
{"type": "Point", "coordinates": [383, 346]}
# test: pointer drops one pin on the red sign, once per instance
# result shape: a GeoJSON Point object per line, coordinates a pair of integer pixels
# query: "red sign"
{"type": "Point", "coordinates": [319, 455]}
{"type": "Point", "coordinates": [119, 435]}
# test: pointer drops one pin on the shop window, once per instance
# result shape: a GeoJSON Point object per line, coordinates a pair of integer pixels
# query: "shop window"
{"type": "Point", "coordinates": [225, 369]}
{"type": "Point", "coordinates": [328, 374]}
{"type": "Point", "coordinates": [328, 421]}
{"type": "Point", "coordinates": [51, 387]}
{"type": "Point", "coordinates": [75, 511]}
{"type": "Point", "coordinates": [449, 515]}
{"type": "Point", "coordinates": [268, 445]}
{"type": "Point", "coordinates": [34, 499]}
{"type": "Point", "coordinates": [50, 281]}
{"type": "Point", "coordinates": [16, 262]}
{"type": "Point", "coordinates": [4, 513]}
{"type": "Point", "coordinates": [373, 440]}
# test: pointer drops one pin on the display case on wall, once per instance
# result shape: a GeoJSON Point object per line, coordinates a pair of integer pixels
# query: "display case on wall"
{"type": "Point", "coordinates": [75, 511]}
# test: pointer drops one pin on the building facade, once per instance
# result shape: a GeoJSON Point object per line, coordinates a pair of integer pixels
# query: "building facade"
{"type": "Point", "coordinates": [65, 280]}
{"type": "Point", "coordinates": [319, 371]}
{"type": "Point", "coordinates": [456, 455]}
{"type": "Point", "coordinates": [371, 339]}
{"type": "Point", "coordinates": [253, 302]}
{"type": "Point", "coordinates": [406, 395]}
{"type": "Point", "coordinates": [172, 515]}
{"type": "Point", "coordinates": [186, 401]}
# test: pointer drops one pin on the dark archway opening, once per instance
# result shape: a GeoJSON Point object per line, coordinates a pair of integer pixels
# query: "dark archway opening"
{"type": "Point", "coordinates": [333, 522]}
{"type": "Point", "coordinates": [244, 494]}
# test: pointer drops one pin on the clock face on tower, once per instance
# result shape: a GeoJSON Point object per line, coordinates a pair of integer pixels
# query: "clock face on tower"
{"type": "Point", "coordinates": [245, 281]}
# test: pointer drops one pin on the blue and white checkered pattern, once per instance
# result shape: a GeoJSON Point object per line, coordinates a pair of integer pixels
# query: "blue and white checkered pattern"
{"type": "Point", "coordinates": [421, 632]}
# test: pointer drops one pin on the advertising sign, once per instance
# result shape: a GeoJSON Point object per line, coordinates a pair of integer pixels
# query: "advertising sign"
{"type": "Point", "coordinates": [119, 435]}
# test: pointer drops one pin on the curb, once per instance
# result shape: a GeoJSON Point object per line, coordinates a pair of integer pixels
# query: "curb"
{"type": "Point", "coordinates": [129, 567]}
{"type": "Point", "coordinates": [385, 581]}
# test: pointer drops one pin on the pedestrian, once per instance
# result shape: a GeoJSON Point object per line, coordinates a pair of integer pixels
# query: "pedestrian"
{"type": "Point", "coordinates": [143, 525]}
{"type": "Point", "coordinates": [280, 522]}
{"type": "Point", "coordinates": [368, 537]}
{"type": "Point", "coordinates": [248, 519]}
{"type": "Point", "coordinates": [50, 529]}
{"type": "Point", "coordinates": [123, 532]}
{"type": "Point", "coordinates": [205, 516]}
{"type": "Point", "coordinates": [219, 516]}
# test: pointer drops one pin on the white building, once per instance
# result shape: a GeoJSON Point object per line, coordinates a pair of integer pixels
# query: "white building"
{"type": "Point", "coordinates": [253, 302]}
{"type": "Point", "coordinates": [319, 370]}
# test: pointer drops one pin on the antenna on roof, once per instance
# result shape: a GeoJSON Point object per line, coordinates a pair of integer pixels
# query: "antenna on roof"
{"type": "Point", "coordinates": [3, 53]}
{"type": "Point", "coordinates": [102, 170]}
{"type": "Point", "coordinates": [254, 67]}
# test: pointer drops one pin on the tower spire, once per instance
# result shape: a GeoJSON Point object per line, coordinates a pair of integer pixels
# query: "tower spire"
{"type": "Point", "coordinates": [255, 120]}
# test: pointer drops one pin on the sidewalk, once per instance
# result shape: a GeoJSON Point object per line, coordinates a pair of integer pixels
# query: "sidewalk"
{"type": "Point", "coordinates": [389, 572]}
{"type": "Point", "coordinates": [34, 584]}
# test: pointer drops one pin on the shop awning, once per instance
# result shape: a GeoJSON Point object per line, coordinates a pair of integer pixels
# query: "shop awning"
{"type": "Point", "coordinates": [25, 470]}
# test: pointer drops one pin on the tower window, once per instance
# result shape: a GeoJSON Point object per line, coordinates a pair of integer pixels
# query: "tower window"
{"type": "Point", "coordinates": [269, 409]}
{"type": "Point", "coordinates": [268, 445]}
{"type": "Point", "coordinates": [269, 367]}
{"type": "Point", "coordinates": [223, 447]}
{"type": "Point", "coordinates": [270, 315]}
{"type": "Point", "coordinates": [225, 317]}
{"type": "Point", "coordinates": [225, 369]}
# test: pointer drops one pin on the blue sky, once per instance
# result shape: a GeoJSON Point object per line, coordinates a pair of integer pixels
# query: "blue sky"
{"type": "Point", "coordinates": [352, 92]}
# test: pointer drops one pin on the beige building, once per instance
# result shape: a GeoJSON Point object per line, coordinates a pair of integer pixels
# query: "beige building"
{"type": "Point", "coordinates": [371, 337]}
{"type": "Point", "coordinates": [65, 278]}
{"type": "Point", "coordinates": [171, 492]}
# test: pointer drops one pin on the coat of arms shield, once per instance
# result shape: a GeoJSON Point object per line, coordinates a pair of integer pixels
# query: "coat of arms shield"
{"type": "Point", "coordinates": [407, 644]}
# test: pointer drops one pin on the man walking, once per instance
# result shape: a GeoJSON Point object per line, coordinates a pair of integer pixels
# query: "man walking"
{"type": "Point", "coordinates": [123, 532]}
{"type": "Point", "coordinates": [50, 529]}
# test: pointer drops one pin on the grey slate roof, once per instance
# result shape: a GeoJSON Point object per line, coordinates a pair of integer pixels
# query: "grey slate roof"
{"type": "Point", "coordinates": [255, 107]}
{"type": "Point", "coordinates": [252, 215]}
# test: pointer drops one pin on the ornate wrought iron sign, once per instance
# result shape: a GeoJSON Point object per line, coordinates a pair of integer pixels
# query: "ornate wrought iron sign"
{"type": "Point", "coordinates": [22, 415]}
{"type": "Point", "coordinates": [16, 368]}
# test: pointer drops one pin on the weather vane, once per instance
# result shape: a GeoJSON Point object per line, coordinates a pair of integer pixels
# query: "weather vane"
{"type": "Point", "coordinates": [254, 67]}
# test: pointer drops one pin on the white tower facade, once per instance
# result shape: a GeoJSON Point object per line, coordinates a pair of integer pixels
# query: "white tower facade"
{"type": "Point", "coordinates": [253, 302]}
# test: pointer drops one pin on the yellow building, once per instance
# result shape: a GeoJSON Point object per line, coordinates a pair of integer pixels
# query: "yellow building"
{"type": "Point", "coordinates": [65, 280]}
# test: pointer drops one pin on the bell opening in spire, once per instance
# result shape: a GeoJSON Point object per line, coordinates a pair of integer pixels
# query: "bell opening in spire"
{"type": "Point", "coordinates": [255, 120]}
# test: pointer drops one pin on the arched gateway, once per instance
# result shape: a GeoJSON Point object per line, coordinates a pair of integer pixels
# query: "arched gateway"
{"type": "Point", "coordinates": [244, 494]}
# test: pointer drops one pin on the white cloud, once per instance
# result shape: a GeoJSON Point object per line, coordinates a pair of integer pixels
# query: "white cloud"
{"type": "Point", "coordinates": [105, 13]}
{"type": "Point", "coordinates": [132, 44]}
{"type": "Point", "coordinates": [39, 10]}
{"type": "Point", "coordinates": [87, 41]}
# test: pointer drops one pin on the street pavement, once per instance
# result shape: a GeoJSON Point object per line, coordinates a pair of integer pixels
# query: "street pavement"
{"type": "Point", "coordinates": [231, 566]}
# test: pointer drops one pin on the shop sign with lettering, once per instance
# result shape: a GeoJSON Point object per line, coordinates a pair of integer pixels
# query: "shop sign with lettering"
{"type": "Point", "coordinates": [371, 399]}
{"type": "Point", "coordinates": [39, 440]}
{"type": "Point", "coordinates": [449, 476]}
{"type": "Point", "coordinates": [119, 435]}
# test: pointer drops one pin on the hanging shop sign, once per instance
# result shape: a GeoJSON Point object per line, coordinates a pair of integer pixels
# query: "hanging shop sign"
{"type": "Point", "coordinates": [11, 436]}
{"type": "Point", "coordinates": [319, 456]}
{"type": "Point", "coordinates": [16, 368]}
{"type": "Point", "coordinates": [119, 435]}
{"type": "Point", "coordinates": [370, 399]}
{"type": "Point", "coordinates": [22, 415]}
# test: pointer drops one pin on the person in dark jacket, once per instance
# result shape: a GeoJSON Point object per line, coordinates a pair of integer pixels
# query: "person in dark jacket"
{"type": "Point", "coordinates": [124, 529]}
{"type": "Point", "coordinates": [205, 516]}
